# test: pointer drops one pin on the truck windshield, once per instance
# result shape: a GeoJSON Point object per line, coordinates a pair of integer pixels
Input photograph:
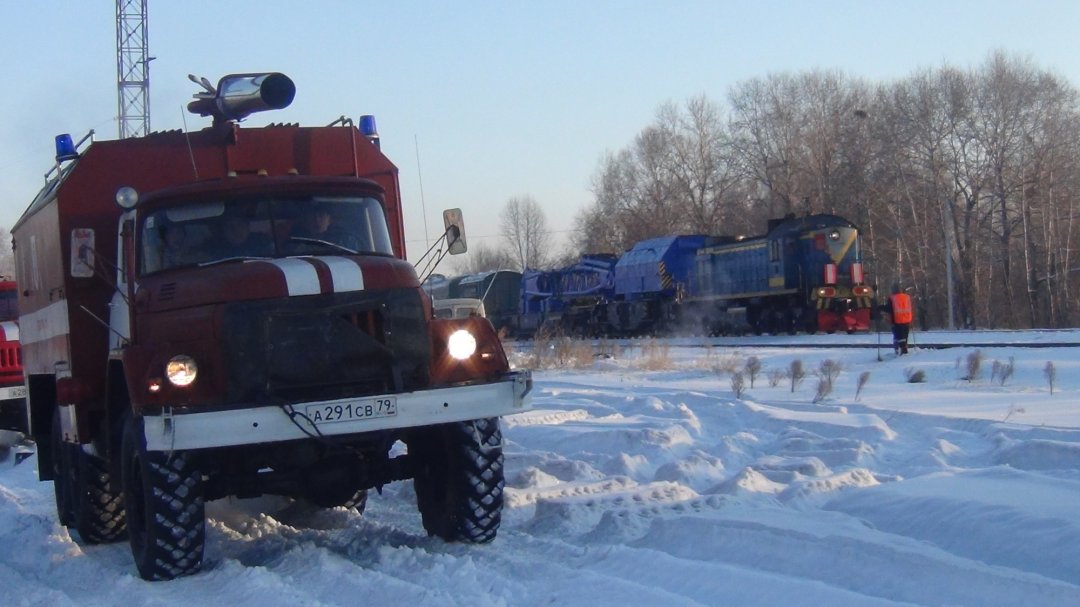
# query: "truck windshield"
{"type": "Point", "coordinates": [210, 231]}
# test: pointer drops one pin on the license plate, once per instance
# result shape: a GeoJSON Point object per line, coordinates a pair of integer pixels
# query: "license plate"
{"type": "Point", "coordinates": [13, 392]}
{"type": "Point", "coordinates": [352, 410]}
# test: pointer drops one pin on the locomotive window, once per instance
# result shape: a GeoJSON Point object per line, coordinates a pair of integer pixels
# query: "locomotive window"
{"type": "Point", "coordinates": [774, 250]}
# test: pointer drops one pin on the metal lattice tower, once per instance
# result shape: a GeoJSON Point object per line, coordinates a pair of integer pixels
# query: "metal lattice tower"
{"type": "Point", "coordinates": [132, 69]}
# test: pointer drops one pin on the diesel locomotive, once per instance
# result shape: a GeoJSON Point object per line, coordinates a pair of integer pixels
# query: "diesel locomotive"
{"type": "Point", "coordinates": [804, 274]}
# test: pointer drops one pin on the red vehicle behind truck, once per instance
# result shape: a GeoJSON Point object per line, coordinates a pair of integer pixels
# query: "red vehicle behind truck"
{"type": "Point", "coordinates": [12, 389]}
{"type": "Point", "coordinates": [229, 312]}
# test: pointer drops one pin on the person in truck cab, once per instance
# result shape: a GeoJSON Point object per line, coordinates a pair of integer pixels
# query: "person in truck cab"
{"type": "Point", "coordinates": [237, 240]}
{"type": "Point", "coordinates": [314, 223]}
{"type": "Point", "coordinates": [318, 223]}
{"type": "Point", "coordinates": [176, 250]}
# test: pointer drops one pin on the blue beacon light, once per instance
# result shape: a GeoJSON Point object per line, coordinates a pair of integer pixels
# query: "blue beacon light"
{"type": "Point", "coordinates": [369, 130]}
{"type": "Point", "coordinates": [65, 148]}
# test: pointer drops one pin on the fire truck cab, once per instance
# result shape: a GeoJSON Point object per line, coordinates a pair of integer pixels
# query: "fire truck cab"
{"type": "Point", "coordinates": [229, 312]}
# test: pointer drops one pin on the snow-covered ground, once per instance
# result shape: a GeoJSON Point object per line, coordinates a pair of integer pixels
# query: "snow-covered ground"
{"type": "Point", "coordinates": [635, 486]}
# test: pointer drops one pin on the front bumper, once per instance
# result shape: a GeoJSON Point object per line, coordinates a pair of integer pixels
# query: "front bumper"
{"type": "Point", "coordinates": [270, 423]}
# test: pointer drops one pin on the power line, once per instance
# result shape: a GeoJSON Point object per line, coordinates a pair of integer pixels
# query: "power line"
{"type": "Point", "coordinates": [483, 236]}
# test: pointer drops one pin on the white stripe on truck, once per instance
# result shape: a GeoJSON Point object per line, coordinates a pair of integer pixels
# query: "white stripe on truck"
{"type": "Point", "coordinates": [300, 276]}
{"type": "Point", "coordinates": [346, 274]}
{"type": "Point", "coordinates": [10, 330]}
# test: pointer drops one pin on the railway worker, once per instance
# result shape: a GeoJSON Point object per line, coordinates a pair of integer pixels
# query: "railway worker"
{"type": "Point", "coordinates": [901, 313]}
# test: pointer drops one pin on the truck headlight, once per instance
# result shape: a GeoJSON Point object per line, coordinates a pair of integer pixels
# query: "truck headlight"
{"type": "Point", "coordinates": [181, 370]}
{"type": "Point", "coordinates": [461, 344]}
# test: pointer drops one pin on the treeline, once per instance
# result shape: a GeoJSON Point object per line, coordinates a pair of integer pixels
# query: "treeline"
{"type": "Point", "coordinates": [969, 173]}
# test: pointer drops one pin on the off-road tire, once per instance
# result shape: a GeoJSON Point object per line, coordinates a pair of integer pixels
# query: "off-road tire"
{"type": "Point", "coordinates": [165, 507]}
{"type": "Point", "coordinates": [88, 498]}
{"type": "Point", "coordinates": [100, 513]}
{"type": "Point", "coordinates": [459, 480]}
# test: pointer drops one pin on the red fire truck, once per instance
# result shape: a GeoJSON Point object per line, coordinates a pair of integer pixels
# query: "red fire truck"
{"type": "Point", "coordinates": [12, 389]}
{"type": "Point", "coordinates": [229, 312]}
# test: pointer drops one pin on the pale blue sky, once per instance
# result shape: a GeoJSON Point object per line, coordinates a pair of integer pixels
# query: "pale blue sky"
{"type": "Point", "coordinates": [504, 98]}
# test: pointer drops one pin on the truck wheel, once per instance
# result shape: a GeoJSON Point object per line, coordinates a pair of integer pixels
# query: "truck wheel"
{"type": "Point", "coordinates": [88, 499]}
{"type": "Point", "coordinates": [100, 513]}
{"type": "Point", "coordinates": [165, 508]}
{"type": "Point", "coordinates": [459, 480]}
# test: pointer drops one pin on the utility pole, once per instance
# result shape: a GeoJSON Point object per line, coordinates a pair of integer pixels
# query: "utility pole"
{"type": "Point", "coordinates": [948, 230]}
{"type": "Point", "coordinates": [132, 69]}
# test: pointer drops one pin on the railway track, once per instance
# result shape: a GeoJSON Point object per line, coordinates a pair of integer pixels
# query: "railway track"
{"type": "Point", "coordinates": [931, 340]}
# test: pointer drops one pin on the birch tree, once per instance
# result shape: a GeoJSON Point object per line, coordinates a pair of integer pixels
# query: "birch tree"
{"type": "Point", "coordinates": [525, 233]}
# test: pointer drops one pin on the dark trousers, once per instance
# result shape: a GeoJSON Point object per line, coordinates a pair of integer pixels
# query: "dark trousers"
{"type": "Point", "coordinates": [899, 337]}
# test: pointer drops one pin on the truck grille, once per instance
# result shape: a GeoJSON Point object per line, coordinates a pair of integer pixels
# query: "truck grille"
{"type": "Point", "coordinates": [9, 358]}
{"type": "Point", "coordinates": [331, 346]}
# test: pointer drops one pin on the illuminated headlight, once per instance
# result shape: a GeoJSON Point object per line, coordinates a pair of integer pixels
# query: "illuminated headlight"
{"type": "Point", "coordinates": [461, 344]}
{"type": "Point", "coordinates": [181, 370]}
{"type": "Point", "coordinates": [834, 235]}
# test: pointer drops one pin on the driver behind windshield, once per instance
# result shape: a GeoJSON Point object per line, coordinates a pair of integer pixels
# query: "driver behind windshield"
{"type": "Point", "coordinates": [237, 240]}
{"type": "Point", "coordinates": [318, 222]}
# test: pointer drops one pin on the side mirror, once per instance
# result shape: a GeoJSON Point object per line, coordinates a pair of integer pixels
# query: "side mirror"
{"type": "Point", "coordinates": [455, 231]}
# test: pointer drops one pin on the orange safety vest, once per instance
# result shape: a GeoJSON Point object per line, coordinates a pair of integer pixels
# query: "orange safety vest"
{"type": "Point", "coordinates": [902, 313]}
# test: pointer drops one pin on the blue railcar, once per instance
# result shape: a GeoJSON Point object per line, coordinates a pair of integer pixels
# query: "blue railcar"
{"type": "Point", "coordinates": [653, 268]}
{"type": "Point", "coordinates": [538, 301]}
{"type": "Point", "coordinates": [569, 299]}
{"type": "Point", "coordinates": [650, 282]}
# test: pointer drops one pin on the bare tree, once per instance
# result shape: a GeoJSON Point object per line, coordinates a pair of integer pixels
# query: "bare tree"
{"type": "Point", "coordinates": [701, 169]}
{"type": "Point", "coordinates": [601, 225]}
{"type": "Point", "coordinates": [524, 230]}
{"type": "Point", "coordinates": [966, 182]}
{"type": "Point", "coordinates": [767, 137]}
{"type": "Point", "coordinates": [678, 177]}
{"type": "Point", "coordinates": [977, 209]}
{"type": "Point", "coordinates": [483, 258]}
